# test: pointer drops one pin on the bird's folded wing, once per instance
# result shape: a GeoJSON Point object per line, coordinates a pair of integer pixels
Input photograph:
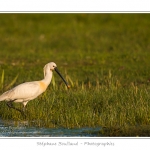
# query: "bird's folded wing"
{"type": "Point", "coordinates": [23, 91]}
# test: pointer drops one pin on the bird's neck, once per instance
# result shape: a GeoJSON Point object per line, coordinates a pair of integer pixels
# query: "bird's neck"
{"type": "Point", "coordinates": [47, 77]}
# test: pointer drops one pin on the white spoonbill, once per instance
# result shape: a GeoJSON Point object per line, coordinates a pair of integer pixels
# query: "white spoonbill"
{"type": "Point", "coordinates": [30, 90]}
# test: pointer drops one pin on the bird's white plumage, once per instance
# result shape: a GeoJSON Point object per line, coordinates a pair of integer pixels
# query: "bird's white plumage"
{"type": "Point", "coordinates": [23, 92]}
{"type": "Point", "coordinates": [30, 90]}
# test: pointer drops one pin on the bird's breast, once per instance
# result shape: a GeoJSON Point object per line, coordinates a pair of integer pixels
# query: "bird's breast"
{"type": "Point", "coordinates": [43, 86]}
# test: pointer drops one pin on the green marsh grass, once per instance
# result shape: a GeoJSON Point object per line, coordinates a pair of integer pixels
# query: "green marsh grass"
{"type": "Point", "coordinates": [107, 104]}
{"type": "Point", "coordinates": [104, 57]}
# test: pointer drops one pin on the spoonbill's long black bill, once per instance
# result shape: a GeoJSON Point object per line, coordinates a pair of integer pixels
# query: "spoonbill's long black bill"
{"type": "Point", "coordinates": [62, 77]}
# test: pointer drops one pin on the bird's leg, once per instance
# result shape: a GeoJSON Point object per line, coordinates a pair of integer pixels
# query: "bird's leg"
{"type": "Point", "coordinates": [10, 105]}
{"type": "Point", "coordinates": [24, 109]}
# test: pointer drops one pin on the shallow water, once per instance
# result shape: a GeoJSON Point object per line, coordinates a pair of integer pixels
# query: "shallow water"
{"type": "Point", "coordinates": [10, 129]}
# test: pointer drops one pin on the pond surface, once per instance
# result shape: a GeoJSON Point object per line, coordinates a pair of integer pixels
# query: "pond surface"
{"type": "Point", "coordinates": [10, 129]}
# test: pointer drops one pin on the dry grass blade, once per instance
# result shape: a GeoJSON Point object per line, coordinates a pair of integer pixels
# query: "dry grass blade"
{"type": "Point", "coordinates": [12, 82]}
{"type": "Point", "coordinates": [2, 80]}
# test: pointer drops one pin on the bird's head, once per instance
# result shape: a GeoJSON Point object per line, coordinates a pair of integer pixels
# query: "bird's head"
{"type": "Point", "coordinates": [52, 66]}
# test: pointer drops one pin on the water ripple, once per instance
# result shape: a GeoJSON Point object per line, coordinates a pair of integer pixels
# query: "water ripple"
{"type": "Point", "coordinates": [10, 129]}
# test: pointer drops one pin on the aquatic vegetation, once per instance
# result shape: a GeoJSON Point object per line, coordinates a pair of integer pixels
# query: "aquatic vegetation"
{"type": "Point", "coordinates": [87, 105]}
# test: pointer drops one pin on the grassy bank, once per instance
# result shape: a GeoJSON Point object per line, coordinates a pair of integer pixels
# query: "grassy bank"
{"type": "Point", "coordinates": [109, 105]}
{"type": "Point", "coordinates": [105, 58]}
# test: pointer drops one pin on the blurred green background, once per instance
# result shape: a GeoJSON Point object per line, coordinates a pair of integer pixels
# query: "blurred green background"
{"type": "Point", "coordinates": [84, 46]}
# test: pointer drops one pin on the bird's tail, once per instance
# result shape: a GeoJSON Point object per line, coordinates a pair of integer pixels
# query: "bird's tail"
{"type": "Point", "coordinates": [3, 97]}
